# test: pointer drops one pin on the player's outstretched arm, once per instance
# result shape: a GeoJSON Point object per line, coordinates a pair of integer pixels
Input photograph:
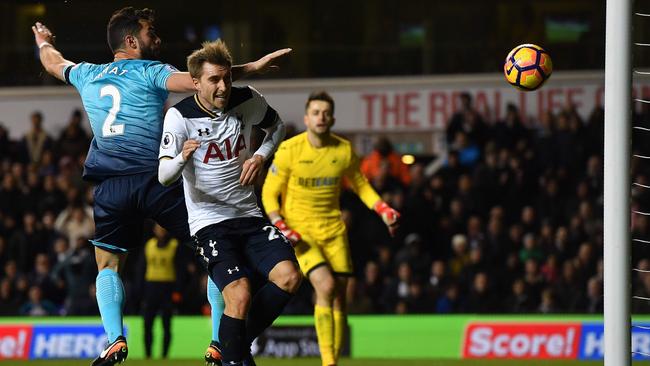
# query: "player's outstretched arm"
{"type": "Point", "coordinates": [261, 66]}
{"type": "Point", "coordinates": [51, 58]}
{"type": "Point", "coordinates": [181, 82]}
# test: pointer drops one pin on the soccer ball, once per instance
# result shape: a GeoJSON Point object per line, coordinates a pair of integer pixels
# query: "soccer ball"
{"type": "Point", "coordinates": [527, 67]}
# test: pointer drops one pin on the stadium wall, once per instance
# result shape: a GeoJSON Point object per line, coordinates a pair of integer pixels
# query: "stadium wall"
{"type": "Point", "coordinates": [406, 336]}
{"type": "Point", "coordinates": [369, 105]}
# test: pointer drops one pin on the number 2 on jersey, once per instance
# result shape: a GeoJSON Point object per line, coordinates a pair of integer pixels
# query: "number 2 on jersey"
{"type": "Point", "coordinates": [108, 128]}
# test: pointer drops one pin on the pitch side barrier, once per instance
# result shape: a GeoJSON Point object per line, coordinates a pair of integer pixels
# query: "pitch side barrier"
{"type": "Point", "coordinates": [406, 336]}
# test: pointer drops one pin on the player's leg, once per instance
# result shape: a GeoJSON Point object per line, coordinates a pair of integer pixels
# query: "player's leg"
{"type": "Point", "coordinates": [167, 207]}
{"type": "Point", "coordinates": [215, 298]}
{"type": "Point", "coordinates": [324, 285]}
{"type": "Point", "coordinates": [232, 329]}
{"type": "Point", "coordinates": [229, 272]}
{"type": "Point", "coordinates": [118, 228]}
{"type": "Point", "coordinates": [337, 252]}
{"type": "Point", "coordinates": [110, 300]}
{"type": "Point", "coordinates": [271, 255]}
{"type": "Point", "coordinates": [340, 314]}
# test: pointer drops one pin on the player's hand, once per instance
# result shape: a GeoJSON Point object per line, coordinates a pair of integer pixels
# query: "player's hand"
{"type": "Point", "coordinates": [251, 169]}
{"type": "Point", "coordinates": [389, 215]}
{"type": "Point", "coordinates": [189, 147]}
{"type": "Point", "coordinates": [42, 34]}
{"type": "Point", "coordinates": [267, 63]}
{"type": "Point", "coordinates": [292, 235]}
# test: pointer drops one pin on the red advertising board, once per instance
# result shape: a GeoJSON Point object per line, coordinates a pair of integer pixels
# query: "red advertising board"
{"type": "Point", "coordinates": [522, 340]}
{"type": "Point", "coordinates": [15, 341]}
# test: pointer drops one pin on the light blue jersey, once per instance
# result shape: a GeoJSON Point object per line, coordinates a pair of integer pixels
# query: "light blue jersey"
{"type": "Point", "coordinates": [124, 101]}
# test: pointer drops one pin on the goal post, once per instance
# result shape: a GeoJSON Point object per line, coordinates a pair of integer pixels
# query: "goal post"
{"type": "Point", "coordinates": [618, 102]}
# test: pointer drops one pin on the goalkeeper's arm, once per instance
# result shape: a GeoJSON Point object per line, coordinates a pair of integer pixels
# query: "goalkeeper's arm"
{"type": "Point", "coordinates": [277, 220]}
{"type": "Point", "coordinates": [370, 198]}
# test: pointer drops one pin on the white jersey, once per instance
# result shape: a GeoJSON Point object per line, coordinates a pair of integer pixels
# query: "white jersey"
{"type": "Point", "coordinates": [211, 177]}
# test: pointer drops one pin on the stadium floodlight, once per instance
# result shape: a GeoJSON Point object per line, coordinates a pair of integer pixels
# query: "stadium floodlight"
{"type": "Point", "coordinates": [618, 99]}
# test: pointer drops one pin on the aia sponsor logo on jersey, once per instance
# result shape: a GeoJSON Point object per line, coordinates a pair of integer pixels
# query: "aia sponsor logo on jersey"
{"type": "Point", "coordinates": [226, 151]}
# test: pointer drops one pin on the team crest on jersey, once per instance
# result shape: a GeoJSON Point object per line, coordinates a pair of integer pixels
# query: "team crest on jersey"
{"type": "Point", "coordinates": [167, 140]}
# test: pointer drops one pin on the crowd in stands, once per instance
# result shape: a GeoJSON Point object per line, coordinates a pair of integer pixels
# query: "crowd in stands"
{"type": "Point", "coordinates": [509, 220]}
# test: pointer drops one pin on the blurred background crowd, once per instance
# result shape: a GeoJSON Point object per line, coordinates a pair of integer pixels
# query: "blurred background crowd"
{"type": "Point", "coordinates": [508, 220]}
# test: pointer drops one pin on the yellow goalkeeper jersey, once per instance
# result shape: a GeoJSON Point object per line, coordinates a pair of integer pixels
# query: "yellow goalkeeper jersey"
{"type": "Point", "coordinates": [308, 180]}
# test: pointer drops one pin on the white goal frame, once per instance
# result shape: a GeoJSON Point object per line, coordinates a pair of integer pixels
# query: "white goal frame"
{"type": "Point", "coordinates": [618, 111]}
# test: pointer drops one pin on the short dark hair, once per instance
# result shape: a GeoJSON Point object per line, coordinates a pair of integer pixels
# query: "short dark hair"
{"type": "Point", "coordinates": [320, 95]}
{"type": "Point", "coordinates": [126, 21]}
{"type": "Point", "coordinates": [215, 52]}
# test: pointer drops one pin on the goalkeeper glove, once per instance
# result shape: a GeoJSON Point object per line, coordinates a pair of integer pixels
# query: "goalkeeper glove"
{"type": "Point", "coordinates": [388, 215]}
{"type": "Point", "coordinates": [292, 235]}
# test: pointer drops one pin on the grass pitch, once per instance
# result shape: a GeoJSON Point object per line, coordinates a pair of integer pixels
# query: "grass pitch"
{"type": "Point", "coordinates": [316, 362]}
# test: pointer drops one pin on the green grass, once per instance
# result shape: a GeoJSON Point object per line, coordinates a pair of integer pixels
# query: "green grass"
{"type": "Point", "coordinates": [316, 362]}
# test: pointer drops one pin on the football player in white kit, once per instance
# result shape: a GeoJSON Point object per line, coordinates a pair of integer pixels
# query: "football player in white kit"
{"type": "Point", "coordinates": [206, 139]}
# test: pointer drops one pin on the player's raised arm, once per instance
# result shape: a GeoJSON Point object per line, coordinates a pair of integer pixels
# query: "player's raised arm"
{"type": "Point", "coordinates": [181, 82]}
{"type": "Point", "coordinates": [51, 58]}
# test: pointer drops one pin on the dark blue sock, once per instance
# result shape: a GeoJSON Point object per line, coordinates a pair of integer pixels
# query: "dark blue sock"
{"type": "Point", "coordinates": [266, 306]}
{"type": "Point", "coordinates": [232, 338]}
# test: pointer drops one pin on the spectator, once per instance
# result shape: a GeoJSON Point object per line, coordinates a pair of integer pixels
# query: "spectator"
{"type": "Point", "coordinates": [397, 288]}
{"type": "Point", "coordinates": [460, 256]}
{"type": "Point", "coordinates": [468, 121]}
{"type": "Point", "coordinates": [367, 295]}
{"type": "Point", "coordinates": [418, 301]}
{"type": "Point", "coordinates": [78, 271]}
{"type": "Point", "coordinates": [519, 300]}
{"type": "Point", "coordinates": [75, 223]}
{"type": "Point", "coordinates": [568, 289]}
{"type": "Point", "coordinates": [159, 285]}
{"type": "Point", "coordinates": [52, 290]}
{"type": "Point", "coordinates": [547, 305]}
{"type": "Point", "coordinates": [36, 305]}
{"type": "Point", "coordinates": [438, 279]}
{"type": "Point", "coordinates": [413, 254]}
{"type": "Point", "coordinates": [524, 215]}
{"type": "Point", "coordinates": [9, 302]}
{"type": "Point", "coordinates": [26, 242]}
{"type": "Point", "coordinates": [383, 158]}
{"type": "Point", "coordinates": [449, 302]}
{"type": "Point", "coordinates": [5, 143]}
{"type": "Point", "coordinates": [530, 249]}
{"type": "Point", "coordinates": [510, 130]}
{"type": "Point", "coordinates": [480, 299]}
{"type": "Point", "coordinates": [36, 140]}
{"type": "Point", "coordinates": [592, 303]}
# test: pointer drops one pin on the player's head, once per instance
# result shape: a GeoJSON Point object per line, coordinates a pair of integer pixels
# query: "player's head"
{"type": "Point", "coordinates": [131, 30]}
{"type": "Point", "coordinates": [210, 67]}
{"type": "Point", "coordinates": [319, 113]}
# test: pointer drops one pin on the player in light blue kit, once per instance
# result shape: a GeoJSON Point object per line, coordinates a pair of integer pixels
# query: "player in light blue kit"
{"type": "Point", "coordinates": [124, 101]}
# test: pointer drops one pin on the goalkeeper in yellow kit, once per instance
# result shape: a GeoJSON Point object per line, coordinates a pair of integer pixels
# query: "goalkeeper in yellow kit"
{"type": "Point", "coordinates": [306, 177]}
